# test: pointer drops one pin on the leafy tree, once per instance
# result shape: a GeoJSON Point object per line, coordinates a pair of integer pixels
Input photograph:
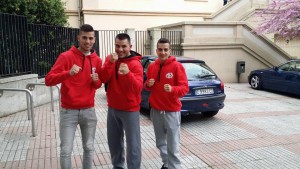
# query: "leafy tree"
{"type": "Point", "coordinates": [281, 17]}
{"type": "Point", "coordinates": [49, 12]}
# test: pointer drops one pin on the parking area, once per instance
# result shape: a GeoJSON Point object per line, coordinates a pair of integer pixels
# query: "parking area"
{"type": "Point", "coordinates": [255, 129]}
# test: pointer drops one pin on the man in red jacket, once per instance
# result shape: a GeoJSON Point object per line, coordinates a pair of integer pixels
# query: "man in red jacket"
{"type": "Point", "coordinates": [77, 70]}
{"type": "Point", "coordinates": [123, 73]}
{"type": "Point", "coordinates": [167, 81]}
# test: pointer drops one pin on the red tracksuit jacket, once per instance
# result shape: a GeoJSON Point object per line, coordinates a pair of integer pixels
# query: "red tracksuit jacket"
{"type": "Point", "coordinates": [77, 91]}
{"type": "Point", "coordinates": [124, 91]}
{"type": "Point", "coordinates": [170, 72]}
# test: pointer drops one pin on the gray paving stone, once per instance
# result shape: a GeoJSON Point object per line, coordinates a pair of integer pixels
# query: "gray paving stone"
{"type": "Point", "coordinates": [218, 131]}
{"type": "Point", "coordinates": [234, 123]}
{"type": "Point", "coordinates": [266, 157]}
{"type": "Point", "coordinates": [277, 125]}
{"type": "Point", "coordinates": [192, 162]}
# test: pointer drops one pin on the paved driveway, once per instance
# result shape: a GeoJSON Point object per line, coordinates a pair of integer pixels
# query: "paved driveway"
{"type": "Point", "coordinates": [256, 129]}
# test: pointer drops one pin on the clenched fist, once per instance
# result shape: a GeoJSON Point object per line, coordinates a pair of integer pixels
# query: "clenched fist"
{"type": "Point", "coordinates": [113, 57]}
{"type": "Point", "coordinates": [150, 82]}
{"type": "Point", "coordinates": [168, 88]}
{"type": "Point", "coordinates": [123, 69]}
{"type": "Point", "coordinates": [74, 70]}
{"type": "Point", "coordinates": [95, 77]}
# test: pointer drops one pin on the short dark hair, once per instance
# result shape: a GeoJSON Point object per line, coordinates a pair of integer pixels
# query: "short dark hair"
{"type": "Point", "coordinates": [163, 40]}
{"type": "Point", "coordinates": [122, 36]}
{"type": "Point", "coordinates": [86, 28]}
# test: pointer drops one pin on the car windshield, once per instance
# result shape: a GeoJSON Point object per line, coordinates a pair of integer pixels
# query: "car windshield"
{"type": "Point", "coordinates": [290, 66]}
{"type": "Point", "coordinates": [198, 71]}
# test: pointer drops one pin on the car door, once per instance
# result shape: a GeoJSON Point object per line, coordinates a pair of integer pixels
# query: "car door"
{"type": "Point", "coordinates": [145, 94]}
{"type": "Point", "coordinates": [272, 79]}
{"type": "Point", "coordinates": [292, 78]}
{"type": "Point", "coordinates": [283, 78]}
{"type": "Point", "coordinates": [297, 81]}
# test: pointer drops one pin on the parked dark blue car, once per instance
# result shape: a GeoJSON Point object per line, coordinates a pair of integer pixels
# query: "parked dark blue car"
{"type": "Point", "coordinates": [283, 78]}
{"type": "Point", "coordinates": [206, 93]}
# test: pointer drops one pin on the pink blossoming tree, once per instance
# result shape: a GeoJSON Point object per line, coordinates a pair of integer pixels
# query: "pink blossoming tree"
{"type": "Point", "coordinates": [281, 17]}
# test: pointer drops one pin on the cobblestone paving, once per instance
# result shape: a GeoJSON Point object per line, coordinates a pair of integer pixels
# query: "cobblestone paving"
{"type": "Point", "coordinates": [256, 129]}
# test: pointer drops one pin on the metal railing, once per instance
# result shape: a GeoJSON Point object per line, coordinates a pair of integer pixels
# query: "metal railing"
{"type": "Point", "coordinates": [142, 44]}
{"type": "Point", "coordinates": [107, 42]}
{"type": "Point", "coordinates": [32, 48]}
{"type": "Point", "coordinates": [30, 109]}
{"type": "Point", "coordinates": [14, 58]}
{"type": "Point", "coordinates": [29, 99]}
{"type": "Point", "coordinates": [175, 40]}
{"type": "Point", "coordinates": [31, 87]}
{"type": "Point", "coordinates": [47, 42]}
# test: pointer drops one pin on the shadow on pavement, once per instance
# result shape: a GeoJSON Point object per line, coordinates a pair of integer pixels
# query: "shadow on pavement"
{"type": "Point", "coordinates": [184, 119]}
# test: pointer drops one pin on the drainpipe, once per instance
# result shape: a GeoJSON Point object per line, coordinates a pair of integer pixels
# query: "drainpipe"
{"type": "Point", "coordinates": [79, 12]}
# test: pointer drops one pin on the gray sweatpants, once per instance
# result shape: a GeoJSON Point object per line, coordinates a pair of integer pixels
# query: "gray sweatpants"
{"type": "Point", "coordinates": [167, 134]}
{"type": "Point", "coordinates": [117, 122]}
{"type": "Point", "coordinates": [69, 119]}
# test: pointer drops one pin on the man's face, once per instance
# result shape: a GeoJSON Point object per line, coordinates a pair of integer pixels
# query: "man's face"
{"type": "Point", "coordinates": [163, 51]}
{"type": "Point", "coordinates": [122, 48]}
{"type": "Point", "coordinates": [86, 40]}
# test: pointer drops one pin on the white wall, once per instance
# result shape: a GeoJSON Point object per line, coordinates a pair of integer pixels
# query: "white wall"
{"type": "Point", "coordinates": [139, 14]}
{"type": "Point", "coordinates": [117, 22]}
{"type": "Point", "coordinates": [223, 62]}
{"type": "Point", "coordinates": [223, 44]}
{"type": "Point", "coordinates": [195, 6]}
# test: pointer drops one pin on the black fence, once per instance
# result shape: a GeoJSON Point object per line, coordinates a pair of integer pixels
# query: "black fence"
{"type": "Point", "coordinates": [107, 42]}
{"type": "Point", "coordinates": [31, 48]}
{"type": "Point", "coordinates": [175, 40]}
{"type": "Point", "coordinates": [14, 46]}
{"type": "Point", "coordinates": [142, 42]}
{"type": "Point", "coordinates": [47, 42]}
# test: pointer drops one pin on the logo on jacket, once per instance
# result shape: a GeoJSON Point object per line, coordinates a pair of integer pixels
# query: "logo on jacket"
{"type": "Point", "coordinates": [169, 75]}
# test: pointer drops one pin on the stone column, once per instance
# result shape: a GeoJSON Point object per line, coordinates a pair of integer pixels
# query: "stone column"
{"type": "Point", "coordinates": [155, 35]}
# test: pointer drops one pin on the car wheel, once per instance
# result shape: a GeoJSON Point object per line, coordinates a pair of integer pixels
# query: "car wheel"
{"type": "Point", "coordinates": [209, 113]}
{"type": "Point", "coordinates": [256, 82]}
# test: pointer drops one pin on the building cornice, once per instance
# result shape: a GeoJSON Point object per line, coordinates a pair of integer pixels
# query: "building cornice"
{"type": "Point", "coordinates": [137, 13]}
{"type": "Point", "coordinates": [71, 12]}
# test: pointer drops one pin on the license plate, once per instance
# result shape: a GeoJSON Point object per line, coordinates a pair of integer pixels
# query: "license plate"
{"type": "Point", "coordinates": [204, 91]}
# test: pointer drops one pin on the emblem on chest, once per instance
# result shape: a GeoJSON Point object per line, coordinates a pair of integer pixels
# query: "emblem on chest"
{"type": "Point", "coordinates": [169, 75]}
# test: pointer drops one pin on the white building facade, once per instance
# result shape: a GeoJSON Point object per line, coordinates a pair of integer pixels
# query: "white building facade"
{"type": "Point", "coordinates": [137, 14]}
{"type": "Point", "coordinates": [219, 35]}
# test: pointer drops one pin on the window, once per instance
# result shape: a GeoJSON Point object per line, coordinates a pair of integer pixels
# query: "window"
{"type": "Point", "coordinates": [291, 66]}
{"type": "Point", "coordinates": [198, 71]}
{"type": "Point", "coordinates": [297, 67]}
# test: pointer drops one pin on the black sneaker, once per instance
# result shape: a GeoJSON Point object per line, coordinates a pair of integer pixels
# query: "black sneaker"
{"type": "Point", "coordinates": [163, 167]}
